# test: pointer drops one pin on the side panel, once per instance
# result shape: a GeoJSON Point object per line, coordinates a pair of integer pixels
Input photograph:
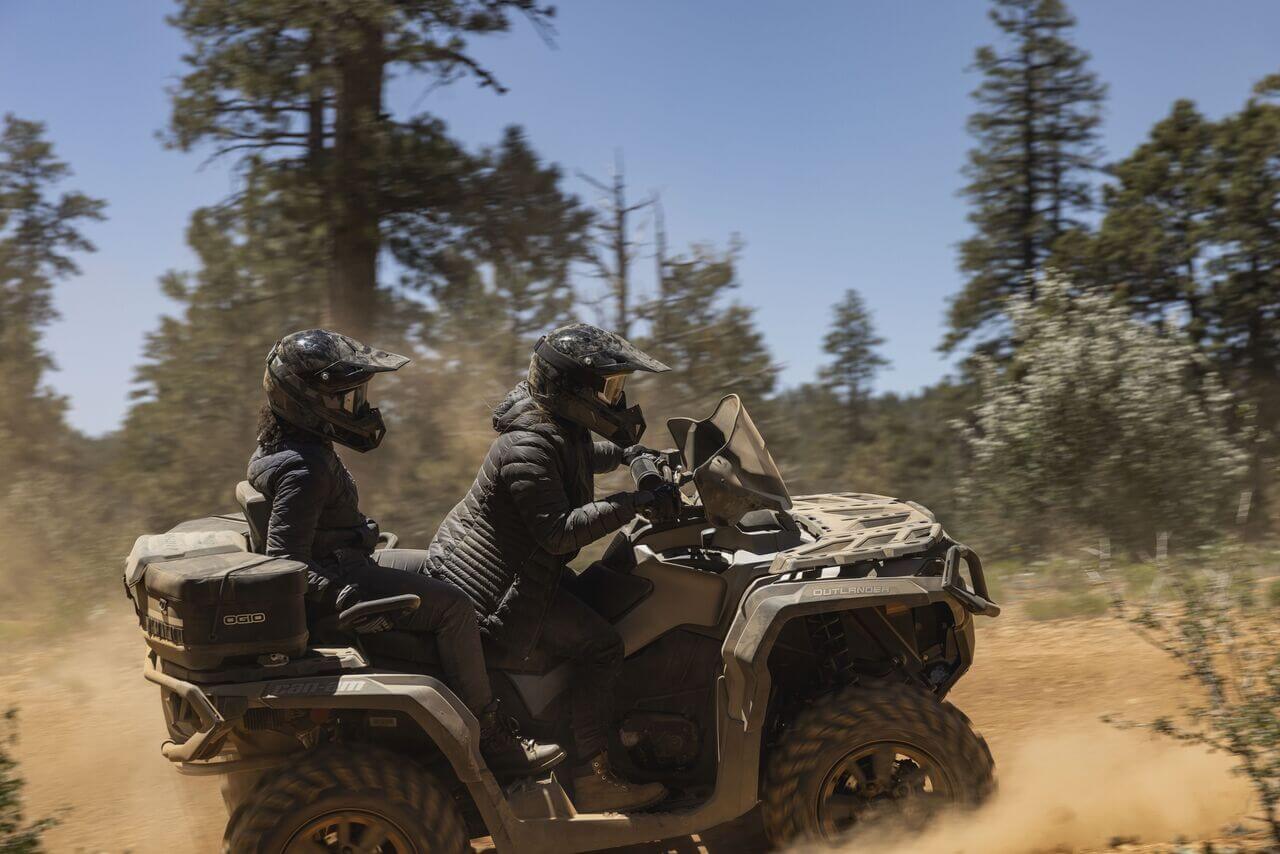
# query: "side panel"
{"type": "Point", "coordinates": [681, 597]}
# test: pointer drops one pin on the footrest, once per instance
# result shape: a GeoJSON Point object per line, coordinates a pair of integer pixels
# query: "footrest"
{"type": "Point", "coordinates": [531, 800]}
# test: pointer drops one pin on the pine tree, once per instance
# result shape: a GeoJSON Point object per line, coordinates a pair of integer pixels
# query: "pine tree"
{"type": "Point", "coordinates": [39, 238]}
{"type": "Point", "coordinates": [44, 500]}
{"type": "Point", "coordinates": [1244, 228]}
{"type": "Point", "coordinates": [712, 345]}
{"type": "Point", "coordinates": [302, 83]}
{"type": "Point", "coordinates": [1150, 246]}
{"type": "Point", "coordinates": [1036, 129]}
{"type": "Point", "coordinates": [853, 347]}
{"type": "Point", "coordinates": [1188, 241]}
{"type": "Point", "coordinates": [190, 431]}
{"type": "Point", "coordinates": [526, 232]}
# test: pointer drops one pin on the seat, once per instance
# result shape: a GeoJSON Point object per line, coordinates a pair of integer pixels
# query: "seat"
{"type": "Point", "coordinates": [257, 512]}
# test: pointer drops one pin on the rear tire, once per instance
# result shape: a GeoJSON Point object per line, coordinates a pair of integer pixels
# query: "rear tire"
{"type": "Point", "coordinates": [870, 754]}
{"type": "Point", "coordinates": [365, 799]}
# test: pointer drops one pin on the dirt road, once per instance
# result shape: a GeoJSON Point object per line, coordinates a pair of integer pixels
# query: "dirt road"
{"type": "Point", "coordinates": [91, 730]}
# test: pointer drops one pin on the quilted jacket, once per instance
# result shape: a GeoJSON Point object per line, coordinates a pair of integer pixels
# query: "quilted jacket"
{"type": "Point", "coordinates": [529, 511]}
{"type": "Point", "coordinates": [315, 509]}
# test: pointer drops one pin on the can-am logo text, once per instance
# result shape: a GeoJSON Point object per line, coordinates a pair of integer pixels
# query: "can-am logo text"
{"type": "Point", "coordinates": [244, 619]}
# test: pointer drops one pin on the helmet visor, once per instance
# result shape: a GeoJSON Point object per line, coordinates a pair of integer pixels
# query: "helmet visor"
{"type": "Point", "coordinates": [353, 401]}
{"type": "Point", "coordinates": [613, 386]}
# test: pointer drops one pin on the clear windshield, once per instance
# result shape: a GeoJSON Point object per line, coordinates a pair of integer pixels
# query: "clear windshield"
{"type": "Point", "coordinates": [731, 466]}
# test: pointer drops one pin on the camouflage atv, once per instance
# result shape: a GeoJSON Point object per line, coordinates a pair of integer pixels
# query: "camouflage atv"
{"type": "Point", "coordinates": [787, 654]}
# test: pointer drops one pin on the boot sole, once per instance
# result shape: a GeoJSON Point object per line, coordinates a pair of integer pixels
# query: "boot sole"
{"type": "Point", "coordinates": [542, 767]}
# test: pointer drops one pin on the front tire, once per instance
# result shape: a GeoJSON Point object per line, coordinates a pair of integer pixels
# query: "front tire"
{"type": "Point", "coordinates": [870, 755]}
{"type": "Point", "coordinates": [348, 799]}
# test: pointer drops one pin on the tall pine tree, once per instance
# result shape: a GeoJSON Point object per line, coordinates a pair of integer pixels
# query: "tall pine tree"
{"type": "Point", "coordinates": [192, 425]}
{"type": "Point", "coordinates": [46, 498]}
{"type": "Point", "coordinates": [301, 82]}
{"type": "Point", "coordinates": [525, 232]}
{"type": "Point", "coordinates": [1244, 228]}
{"type": "Point", "coordinates": [1150, 246]}
{"type": "Point", "coordinates": [1039, 107]}
{"type": "Point", "coordinates": [39, 238]}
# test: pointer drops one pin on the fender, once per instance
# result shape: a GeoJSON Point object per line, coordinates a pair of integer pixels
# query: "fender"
{"type": "Point", "coordinates": [425, 700]}
{"type": "Point", "coordinates": [764, 612]}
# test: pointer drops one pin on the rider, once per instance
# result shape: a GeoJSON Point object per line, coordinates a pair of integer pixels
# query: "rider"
{"type": "Point", "coordinates": [316, 384]}
{"type": "Point", "coordinates": [532, 507]}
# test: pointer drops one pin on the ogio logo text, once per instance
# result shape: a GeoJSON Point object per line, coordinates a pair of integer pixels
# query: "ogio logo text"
{"type": "Point", "coordinates": [244, 619]}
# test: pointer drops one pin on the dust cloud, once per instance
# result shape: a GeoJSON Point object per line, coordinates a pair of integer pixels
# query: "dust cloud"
{"type": "Point", "coordinates": [1073, 786]}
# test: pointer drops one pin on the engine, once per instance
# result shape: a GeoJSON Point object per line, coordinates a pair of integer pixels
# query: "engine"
{"type": "Point", "coordinates": [660, 741]}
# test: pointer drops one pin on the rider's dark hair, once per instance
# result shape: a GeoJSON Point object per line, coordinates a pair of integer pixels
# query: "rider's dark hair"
{"type": "Point", "coordinates": [273, 430]}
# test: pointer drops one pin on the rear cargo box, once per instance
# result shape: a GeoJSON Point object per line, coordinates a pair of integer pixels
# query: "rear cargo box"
{"type": "Point", "coordinates": [204, 601]}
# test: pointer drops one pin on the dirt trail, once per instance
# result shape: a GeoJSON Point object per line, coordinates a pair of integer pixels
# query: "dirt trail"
{"type": "Point", "coordinates": [91, 729]}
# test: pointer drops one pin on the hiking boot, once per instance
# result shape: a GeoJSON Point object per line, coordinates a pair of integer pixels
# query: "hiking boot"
{"type": "Point", "coordinates": [508, 755]}
{"type": "Point", "coordinates": [597, 789]}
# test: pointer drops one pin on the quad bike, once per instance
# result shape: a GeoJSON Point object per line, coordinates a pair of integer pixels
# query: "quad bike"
{"type": "Point", "coordinates": [786, 654]}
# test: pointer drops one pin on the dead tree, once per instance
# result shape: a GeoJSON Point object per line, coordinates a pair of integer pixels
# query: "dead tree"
{"type": "Point", "coordinates": [613, 248]}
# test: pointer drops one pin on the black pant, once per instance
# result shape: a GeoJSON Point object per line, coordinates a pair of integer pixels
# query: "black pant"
{"type": "Point", "coordinates": [573, 630]}
{"type": "Point", "coordinates": [445, 612]}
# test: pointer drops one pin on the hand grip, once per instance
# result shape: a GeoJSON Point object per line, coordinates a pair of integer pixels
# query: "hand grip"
{"type": "Point", "coordinates": [646, 474]}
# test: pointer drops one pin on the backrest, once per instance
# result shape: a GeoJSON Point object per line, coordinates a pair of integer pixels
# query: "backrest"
{"type": "Point", "coordinates": [257, 512]}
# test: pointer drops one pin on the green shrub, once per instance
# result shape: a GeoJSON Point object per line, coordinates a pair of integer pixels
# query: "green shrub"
{"type": "Point", "coordinates": [16, 835]}
{"type": "Point", "coordinates": [1085, 426]}
{"type": "Point", "coordinates": [1273, 594]}
{"type": "Point", "coordinates": [1208, 620]}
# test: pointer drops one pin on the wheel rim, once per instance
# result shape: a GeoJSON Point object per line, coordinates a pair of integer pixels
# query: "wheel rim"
{"type": "Point", "coordinates": [879, 782]}
{"type": "Point", "coordinates": [350, 832]}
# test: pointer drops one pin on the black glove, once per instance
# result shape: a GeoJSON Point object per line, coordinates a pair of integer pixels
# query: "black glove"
{"type": "Point", "coordinates": [630, 453]}
{"type": "Point", "coordinates": [347, 596]}
{"type": "Point", "coordinates": [661, 504]}
{"type": "Point", "coordinates": [319, 588]}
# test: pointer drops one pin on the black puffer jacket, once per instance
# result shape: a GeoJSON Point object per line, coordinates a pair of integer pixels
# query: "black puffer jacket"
{"type": "Point", "coordinates": [315, 509]}
{"type": "Point", "coordinates": [526, 515]}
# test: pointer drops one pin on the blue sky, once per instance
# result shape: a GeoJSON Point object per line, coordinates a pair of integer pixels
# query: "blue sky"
{"type": "Point", "coordinates": [828, 135]}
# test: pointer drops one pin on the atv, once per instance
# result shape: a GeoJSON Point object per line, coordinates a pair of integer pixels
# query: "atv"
{"type": "Point", "coordinates": [786, 654]}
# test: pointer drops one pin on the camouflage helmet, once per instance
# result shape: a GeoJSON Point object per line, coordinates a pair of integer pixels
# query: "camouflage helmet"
{"type": "Point", "coordinates": [578, 372]}
{"type": "Point", "coordinates": [317, 381]}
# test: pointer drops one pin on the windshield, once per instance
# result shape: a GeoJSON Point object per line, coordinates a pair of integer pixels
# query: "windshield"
{"type": "Point", "coordinates": [731, 466]}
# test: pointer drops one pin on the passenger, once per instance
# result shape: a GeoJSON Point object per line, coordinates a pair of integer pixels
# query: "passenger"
{"type": "Point", "coordinates": [316, 385]}
{"type": "Point", "coordinates": [532, 507]}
